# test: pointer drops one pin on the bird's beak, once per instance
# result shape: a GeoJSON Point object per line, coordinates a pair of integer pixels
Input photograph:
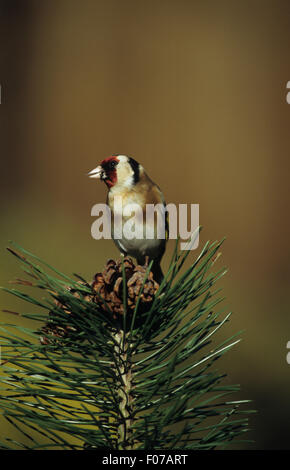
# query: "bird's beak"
{"type": "Point", "coordinates": [96, 173]}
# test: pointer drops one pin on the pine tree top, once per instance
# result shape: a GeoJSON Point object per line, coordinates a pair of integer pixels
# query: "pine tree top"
{"type": "Point", "coordinates": [120, 362]}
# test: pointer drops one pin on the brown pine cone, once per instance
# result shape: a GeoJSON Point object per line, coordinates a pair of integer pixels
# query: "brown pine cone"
{"type": "Point", "coordinates": [107, 292]}
{"type": "Point", "coordinates": [108, 286]}
{"type": "Point", "coordinates": [55, 330]}
{"type": "Point", "coordinates": [58, 332]}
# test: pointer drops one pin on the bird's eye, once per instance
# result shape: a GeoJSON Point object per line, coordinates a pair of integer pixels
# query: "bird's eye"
{"type": "Point", "coordinates": [112, 164]}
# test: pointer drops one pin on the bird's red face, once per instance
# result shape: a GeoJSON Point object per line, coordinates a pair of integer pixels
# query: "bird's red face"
{"type": "Point", "coordinates": [118, 170]}
{"type": "Point", "coordinates": [109, 166]}
{"type": "Point", "coordinates": [107, 171]}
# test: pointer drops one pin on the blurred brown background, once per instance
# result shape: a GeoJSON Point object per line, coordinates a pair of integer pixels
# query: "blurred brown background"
{"type": "Point", "coordinates": [196, 91]}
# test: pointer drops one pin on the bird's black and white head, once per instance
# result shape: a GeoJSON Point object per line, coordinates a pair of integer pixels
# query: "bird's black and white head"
{"type": "Point", "coordinates": [118, 170]}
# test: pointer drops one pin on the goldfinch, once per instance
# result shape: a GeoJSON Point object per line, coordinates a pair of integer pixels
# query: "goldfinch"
{"type": "Point", "coordinates": [128, 183]}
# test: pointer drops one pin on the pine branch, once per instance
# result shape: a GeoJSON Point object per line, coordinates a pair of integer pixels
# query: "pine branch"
{"type": "Point", "coordinates": [125, 392]}
{"type": "Point", "coordinates": [120, 362]}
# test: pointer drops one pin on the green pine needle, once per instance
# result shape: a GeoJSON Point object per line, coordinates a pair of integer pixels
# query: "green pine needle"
{"type": "Point", "coordinates": [146, 382]}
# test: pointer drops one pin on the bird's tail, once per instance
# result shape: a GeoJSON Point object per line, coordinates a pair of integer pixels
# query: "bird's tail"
{"type": "Point", "coordinates": [157, 271]}
{"type": "Point", "coordinates": [155, 268]}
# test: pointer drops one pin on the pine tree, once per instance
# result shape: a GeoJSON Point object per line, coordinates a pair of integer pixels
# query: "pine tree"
{"type": "Point", "coordinates": [120, 362]}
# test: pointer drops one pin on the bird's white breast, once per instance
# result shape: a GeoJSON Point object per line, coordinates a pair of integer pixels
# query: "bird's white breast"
{"type": "Point", "coordinates": [137, 236]}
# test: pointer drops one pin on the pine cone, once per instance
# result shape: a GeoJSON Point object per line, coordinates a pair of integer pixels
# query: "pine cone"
{"type": "Point", "coordinates": [58, 332]}
{"type": "Point", "coordinates": [52, 328]}
{"type": "Point", "coordinates": [107, 292]}
{"type": "Point", "coordinates": [108, 287]}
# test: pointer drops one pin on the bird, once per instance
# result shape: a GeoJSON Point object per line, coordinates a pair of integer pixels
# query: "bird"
{"type": "Point", "coordinates": [126, 179]}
